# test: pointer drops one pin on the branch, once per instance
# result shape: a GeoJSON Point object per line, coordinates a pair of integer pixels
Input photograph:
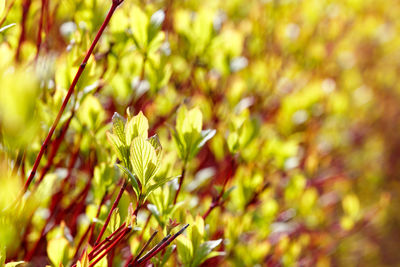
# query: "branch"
{"type": "Point", "coordinates": [160, 246]}
{"type": "Point", "coordinates": [46, 142]}
{"type": "Point", "coordinates": [115, 204]}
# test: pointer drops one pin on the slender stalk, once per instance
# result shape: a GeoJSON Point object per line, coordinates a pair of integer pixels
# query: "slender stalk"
{"type": "Point", "coordinates": [89, 230]}
{"type": "Point", "coordinates": [25, 10]}
{"type": "Point", "coordinates": [145, 246]}
{"type": "Point", "coordinates": [39, 36]}
{"type": "Point", "coordinates": [110, 239]}
{"type": "Point", "coordinates": [180, 182]}
{"type": "Point", "coordinates": [212, 206]}
{"type": "Point", "coordinates": [165, 239]}
{"type": "Point", "coordinates": [97, 249]}
{"type": "Point", "coordinates": [115, 204]}
{"type": "Point", "coordinates": [218, 201]}
{"type": "Point", "coordinates": [54, 148]}
{"type": "Point", "coordinates": [153, 252]}
{"type": "Point", "coordinates": [113, 244]}
{"type": "Point", "coordinates": [78, 74]}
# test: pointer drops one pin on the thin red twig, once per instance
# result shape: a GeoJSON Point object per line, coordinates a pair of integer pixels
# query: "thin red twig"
{"type": "Point", "coordinates": [82, 66]}
{"type": "Point", "coordinates": [115, 204]}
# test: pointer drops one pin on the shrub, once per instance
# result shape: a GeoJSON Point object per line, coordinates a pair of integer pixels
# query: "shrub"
{"type": "Point", "coordinates": [213, 133]}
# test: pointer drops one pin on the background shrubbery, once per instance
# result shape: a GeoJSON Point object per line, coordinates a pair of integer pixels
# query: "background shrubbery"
{"type": "Point", "coordinates": [244, 133]}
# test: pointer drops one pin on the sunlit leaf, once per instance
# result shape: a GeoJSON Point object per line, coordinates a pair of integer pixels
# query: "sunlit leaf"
{"type": "Point", "coordinates": [136, 126]}
{"type": "Point", "coordinates": [132, 179]}
{"type": "Point", "coordinates": [118, 125]}
{"type": "Point", "coordinates": [143, 159]}
{"type": "Point", "coordinates": [58, 250]}
{"type": "Point", "coordinates": [115, 221]}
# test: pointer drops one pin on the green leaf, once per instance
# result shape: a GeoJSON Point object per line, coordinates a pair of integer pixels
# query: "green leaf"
{"type": "Point", "coordinates": [155, 142]}
{"type": "Point", "coordinates": [156, 213]}
{"type": "Point", "coordinates": [233, 142]}
{"type": "Point", "coordinates": [139, 25]}
{"type": "Point", "coordinates": [156, 21]}
{"type": "Point", "coordinates": [156, 42]}
{"type": "Point", "coordinates": [167, 254]}
{"type": "Point", "coordinates": [188, 132]}
{"type": "Point", "coordinates": [2, 6]}
{"type": "Point", "coordinates": [143, 159]}
{"type": "Point", "coordinates": [205, 136]}
{"type": "Point", "coordinates": [179, 144]}
{"type": "Point", "coordinates": [132, 179]}
{"type": "Point", "coordinates": [228, 192]}
{"type": "Point", "coordinates": [189, 121]}
{"type": "Point", "coordinates": [84, 262]}
{"type": "Point", "coordinates": [115, 221]}
{"type": "Point", "coordinates": [58, 250]}
{"type": "Point", "coordinates": [118, 125]}
{"type": "Point", "coordinates": [158, 184]}
{"type": "Point", "coordinates": [185, 249]}
{"type": "Point", "coordinates": [136, 126]}
{"type": "Point", "coordinates": [196, 233]}
{"type": "Point", "coordinates": [116, 144]}
{"type": "Point", "coordinates": [204, 250]}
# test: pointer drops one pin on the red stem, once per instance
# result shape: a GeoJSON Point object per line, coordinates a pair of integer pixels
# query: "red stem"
{"type": "Point", "coordinates": [89, 230]}
{"type": "Point", "coordinates": [54, 148]}
{"type": "Point", "coordinates": [46, 142]}
{"type": "Point", "coordinates": [25, 9]}
{"type": "Point", "coordinates": [98, 248]}
{"type": "Point", "coordinates": [39, 37]}
{"type": "Point", "coordinates": [151, 255]}
{"type": "Point", "coordinates": [116, 201]}
{"type": "Point", "coordinates": [113, 244]}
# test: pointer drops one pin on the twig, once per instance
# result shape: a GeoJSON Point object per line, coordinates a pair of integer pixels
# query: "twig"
{"type": "Point", "coordinates": [25, 10]}
{"type": "Point", "coordinates": [153, 252]}
{"type": "Point", "coordinates": [115, 4]}
{"type": "Point", "coordinates": [115, 204]}
{"type": "Point", "coordinates": [39, 36]}
{"type": "Point", "coordinates": [96, 250]}
{"type": "Point", "coordinates": [145, 245]}
{"type": "Point", "coordinates": [115, 242]}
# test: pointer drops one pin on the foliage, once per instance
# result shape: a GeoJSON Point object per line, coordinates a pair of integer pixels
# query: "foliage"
{"type": "Point", "coordinates": [199, 133]}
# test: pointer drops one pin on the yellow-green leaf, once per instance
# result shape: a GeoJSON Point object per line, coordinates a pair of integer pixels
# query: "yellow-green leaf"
{"type": "Point", "coordinates": [136, 126]}
{"type": "Point", "coordinates": [2, 6]}
{"type": "Point", "coordinates": [143, 159]}
{"type": "Point", "coordinates": [118, 125]}
{"type": "Point", "coordinates": [115, 221]}
{"type": "Point", "coordinates": [58, 251]}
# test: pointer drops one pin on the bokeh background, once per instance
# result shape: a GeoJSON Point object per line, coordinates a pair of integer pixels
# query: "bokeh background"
{"type": "Point", "coordinates": [304, 96]}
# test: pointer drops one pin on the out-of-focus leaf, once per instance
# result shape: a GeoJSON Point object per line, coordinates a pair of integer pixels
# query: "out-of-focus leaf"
{"type": "Point", "coordinates": [84, 261]}
{"type": "Point", "coordinates": [204, 250]}
{"type": "Point", "coordinates": [118, 125]}
{"type": "Point", "coordinates": [58, 251]}
{"type": "Point", "coordinates": [185, 249]}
